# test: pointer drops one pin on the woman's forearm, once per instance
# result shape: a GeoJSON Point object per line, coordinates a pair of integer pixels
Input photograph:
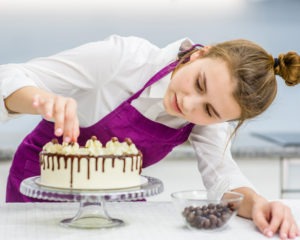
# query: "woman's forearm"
{"type": "Point", "coordinates": [21, 101]}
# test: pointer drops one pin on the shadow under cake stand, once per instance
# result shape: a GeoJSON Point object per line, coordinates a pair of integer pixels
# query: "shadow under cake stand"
{"type": "Point", "coordinates": [92, 211]}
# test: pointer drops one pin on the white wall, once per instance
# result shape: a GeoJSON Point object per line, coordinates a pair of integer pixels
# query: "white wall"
{"type": "Point", "coordinates": [35, 28]}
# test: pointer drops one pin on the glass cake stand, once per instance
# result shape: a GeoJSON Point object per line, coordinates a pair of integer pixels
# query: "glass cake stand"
{"type": "Point", "coordinates": [92, 211]}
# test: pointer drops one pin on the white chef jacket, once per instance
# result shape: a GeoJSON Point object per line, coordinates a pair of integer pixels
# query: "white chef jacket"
{"type": "Point", "coordinates": [101, 75]}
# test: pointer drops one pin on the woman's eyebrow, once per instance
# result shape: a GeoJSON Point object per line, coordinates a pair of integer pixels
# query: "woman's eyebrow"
{"type": "Point", "coordinates": [206, 89]}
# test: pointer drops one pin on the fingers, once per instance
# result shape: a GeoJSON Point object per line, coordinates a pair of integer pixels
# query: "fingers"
{"type": "Point", "coordinates": [260, 218]}
{"type": "Point", "coordinates": [281, 220]}
{"type": "Point", "coordinates": [63, 111]}
{"type": "Point", "coordinates": [59, 116]}
{"type": "Point", "coordinates": [278, 218]}
{"type": "Point", "coordinates": [294, 231]}
{"type": "Point", "coordinates": [43, 106]}
{"type": "Point", "coordinates": [71, 126]}
{"type": "Point", "coordinates": [76, 131]}
{"type": "Point", "coordinates": [288, 228]}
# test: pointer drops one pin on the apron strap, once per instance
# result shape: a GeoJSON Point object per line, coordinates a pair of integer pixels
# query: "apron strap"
{"type": "Point", "coordinates": [160, 74]}
{"type": "Point", "coordinates": [163, 72]}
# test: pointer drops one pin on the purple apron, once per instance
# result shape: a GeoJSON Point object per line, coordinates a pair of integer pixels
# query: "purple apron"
{"type": "Point", "coordinates": [155, 140]}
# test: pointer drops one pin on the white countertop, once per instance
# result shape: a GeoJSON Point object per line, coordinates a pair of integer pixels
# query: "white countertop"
{"type": "Point", "coordinates": [143, 220]}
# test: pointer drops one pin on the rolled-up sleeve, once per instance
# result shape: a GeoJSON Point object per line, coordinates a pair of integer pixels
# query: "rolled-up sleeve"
{"type": "Point", "coordinates": [88, 73]}
{"type": "Point", "coordinates": [215, 163]}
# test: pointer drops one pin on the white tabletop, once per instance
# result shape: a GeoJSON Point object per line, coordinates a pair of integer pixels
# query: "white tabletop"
{"type": "Point", "coordinates": [144, 220]}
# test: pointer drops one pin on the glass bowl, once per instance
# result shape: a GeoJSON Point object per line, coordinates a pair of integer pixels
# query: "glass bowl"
{"type": "Point", "coordinates": [204, 210]}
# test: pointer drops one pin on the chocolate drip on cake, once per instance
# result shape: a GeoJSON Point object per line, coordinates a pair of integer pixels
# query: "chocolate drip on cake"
{"type": "Point", "coordinates": [66, 162]}
{"type": "Point", "coordinates": [48, 164]}
{"type": "Point", "coordinates": [52, 163]}
{"type": "Point", "coordinates": [103, 164]}
{"type": "Point", "coordinates": [124, 164]}
{"type": "Point", "coordinates": [88, 168]}
{"type": "Point", "coordinates": [113, 162]}
{"type": "Point", "coordinates": [78, 167]}
{"type": "Point", "coordinates": [136, 165]}
{"type": "Point", "coordinates": [141, 161]}
{"type": "Point", "coordinates": [41, 160]}
{"type": "Point", "coordinates": [96, 163]}
{"type": "Point", "coordinates": [71, 178]}
{"type": "Point", "coordinates": [58, 164]}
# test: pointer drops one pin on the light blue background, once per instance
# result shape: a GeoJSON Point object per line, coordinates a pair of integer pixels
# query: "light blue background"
{"type": "Point", "coordinates": [275, 24]}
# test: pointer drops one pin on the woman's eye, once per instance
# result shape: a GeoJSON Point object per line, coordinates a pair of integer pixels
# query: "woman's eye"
{"type": "Point", "coordinates": [207, 110]}
{"type": "Point", "coordinates": [199, 86]}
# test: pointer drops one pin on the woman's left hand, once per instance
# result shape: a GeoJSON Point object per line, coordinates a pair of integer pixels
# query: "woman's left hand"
{"type": "Point", "coordinates": [272, 217]}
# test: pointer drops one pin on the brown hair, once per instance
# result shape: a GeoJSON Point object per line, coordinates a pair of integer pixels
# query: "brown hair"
{"type": "Point", "coordinates": [255, 70]}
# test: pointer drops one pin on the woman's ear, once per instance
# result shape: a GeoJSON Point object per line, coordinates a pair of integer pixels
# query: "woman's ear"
{"type": "Point", "coordinates": [201, 52]}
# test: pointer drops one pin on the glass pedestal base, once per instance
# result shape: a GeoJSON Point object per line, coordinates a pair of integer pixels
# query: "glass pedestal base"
{"type": "Point", "coordinates": [91, 215]}
{"type": "Point", "coordinates": [92, 212]}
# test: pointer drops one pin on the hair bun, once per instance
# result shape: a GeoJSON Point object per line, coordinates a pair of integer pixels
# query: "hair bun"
{"type": "Point", "coordinates": [276, 63]}
{"type": "Point", "coordinates": [288, 67]}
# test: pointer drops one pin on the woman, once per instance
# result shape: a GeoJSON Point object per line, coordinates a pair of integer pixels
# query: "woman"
{"type": "Point", "coordinates": [127, 87]}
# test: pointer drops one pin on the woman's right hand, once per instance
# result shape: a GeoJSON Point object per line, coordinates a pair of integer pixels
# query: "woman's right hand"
{"type": "Point", "coordinates": [61, 110]}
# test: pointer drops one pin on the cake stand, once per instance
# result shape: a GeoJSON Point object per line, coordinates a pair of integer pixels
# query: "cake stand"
{"type": "Point", "coordinates": [92, 211]}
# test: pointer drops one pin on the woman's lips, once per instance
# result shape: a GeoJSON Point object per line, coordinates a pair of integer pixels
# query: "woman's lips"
{"type": "Point", "coordinates": [175, 105]}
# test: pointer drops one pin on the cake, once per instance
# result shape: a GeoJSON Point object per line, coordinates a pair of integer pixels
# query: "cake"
{"type": "Point", "coordinates": [93, 166]}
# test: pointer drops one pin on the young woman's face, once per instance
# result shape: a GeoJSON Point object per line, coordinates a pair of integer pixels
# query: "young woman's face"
{"type": "Point", "coordinates": [201, 92]}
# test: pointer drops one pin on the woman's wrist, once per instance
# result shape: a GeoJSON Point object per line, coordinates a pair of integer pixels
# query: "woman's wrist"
{"type": "Point", "coordinates": [251, 198]}
{"type": "Point", "coordinates": [21, 101]}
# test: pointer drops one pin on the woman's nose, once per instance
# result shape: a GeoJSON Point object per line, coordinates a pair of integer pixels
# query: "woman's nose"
{"type": "Point", "coordinates": [191, 103]}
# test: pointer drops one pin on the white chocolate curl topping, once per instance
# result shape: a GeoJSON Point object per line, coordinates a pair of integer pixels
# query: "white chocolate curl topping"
{"type": "Point", "coordinates": [53, 147]}
{"type": "Point", "coordinates": [70, 149]}
{"type": "Point", "coordinates": [93, 147]}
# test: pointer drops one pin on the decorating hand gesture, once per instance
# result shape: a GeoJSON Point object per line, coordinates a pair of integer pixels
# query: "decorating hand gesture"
{"type": "Point", "coordinates": [63, 111]}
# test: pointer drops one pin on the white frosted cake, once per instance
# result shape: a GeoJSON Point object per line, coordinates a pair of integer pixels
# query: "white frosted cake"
{"type": "Point", "coordinates": [94, 166]}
